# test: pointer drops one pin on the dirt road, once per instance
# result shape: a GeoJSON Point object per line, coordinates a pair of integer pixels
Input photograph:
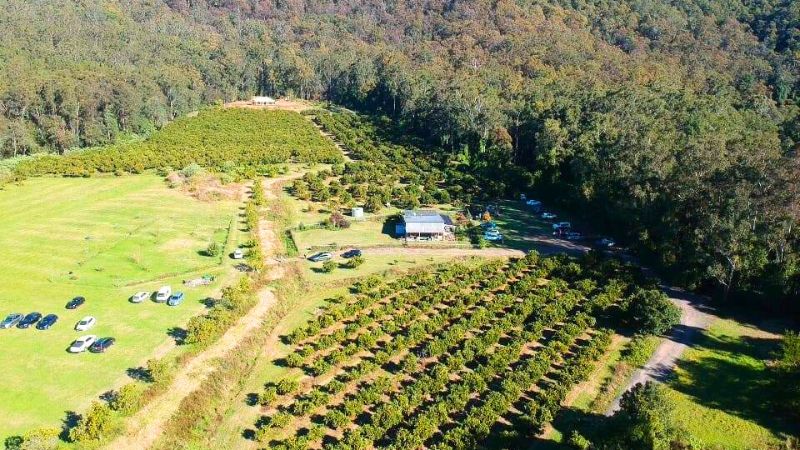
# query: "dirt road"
{"type": "Point", "coordinates": [452, 252]}
{"type": "Point", "coordinates": [144, 427]}
{"type": "Point", "coordinates": [661, 363]}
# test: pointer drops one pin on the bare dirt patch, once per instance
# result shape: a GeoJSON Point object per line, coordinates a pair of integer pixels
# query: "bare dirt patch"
{"type": "Point", "coordinates": [207, 187]}
{"type": "Point", "coordinates": [281, 104]}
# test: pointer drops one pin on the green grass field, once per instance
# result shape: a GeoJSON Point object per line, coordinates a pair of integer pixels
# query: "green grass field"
{"type": "Point", "coordinates": [105, 239]}
{"type": "Point", "coordinates": [723, 391]}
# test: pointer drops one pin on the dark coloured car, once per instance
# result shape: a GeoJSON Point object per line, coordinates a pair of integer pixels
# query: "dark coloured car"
{"type": "Point", "coordinates": [102, 344]}
{"type": "Point", "coordinates": [76, 302]}
{"type": "Point", "coordinates": [351, 253]}
{"type": "Point", "coordinates": [11, 320]}
{"type": "Point", "coordinates": [47, 322]}
{"type": "Point", "coordinates": [29, 320]}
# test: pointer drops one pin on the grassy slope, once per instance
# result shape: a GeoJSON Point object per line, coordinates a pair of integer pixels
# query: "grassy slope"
{"type": "Point", "coordinates": [93, 237]}
{"type": "Point", "coordinates": [722, 389]}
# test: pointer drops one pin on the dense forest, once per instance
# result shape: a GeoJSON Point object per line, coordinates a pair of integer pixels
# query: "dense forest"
{"type": "Point", "coordinates": [675, 124]}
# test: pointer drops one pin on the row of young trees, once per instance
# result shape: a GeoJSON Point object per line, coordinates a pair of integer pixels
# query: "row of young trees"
{"type": "Point", "coordinates": [377, 345]}
{"type": "Point", "coordinates": [215, 138]}
{"type": "Point", "coordinates": [380, 173]}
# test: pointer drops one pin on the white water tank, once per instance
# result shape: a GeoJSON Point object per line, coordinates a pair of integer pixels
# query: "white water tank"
{"type": "Point", "coordinates": [357, 213]}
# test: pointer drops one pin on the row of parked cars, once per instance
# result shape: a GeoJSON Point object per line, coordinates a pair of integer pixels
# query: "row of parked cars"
{"type": "Point", "coordinates": [163, 295]}
{"type": "Point", "coordinates": [564, 230]}
{"type": "Point", "coordinates": [25, 321]}
{"type": "Point", "coordinates": [326, 256]}
{"type": "Point", "coordinates": [89, 342]}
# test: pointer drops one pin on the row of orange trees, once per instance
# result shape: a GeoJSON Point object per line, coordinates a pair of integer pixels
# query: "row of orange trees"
{"type": "Point", "coordinates": [214, 138]}
{"type": "Point", "coordinates": [435, 359]}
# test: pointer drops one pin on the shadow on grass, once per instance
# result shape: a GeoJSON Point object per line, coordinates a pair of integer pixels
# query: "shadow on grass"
{"type": "Point", "coordinates": [731, 376]}
{"type": "Point", "coordinates": [524, 231]}
{"type": "Point", "coordinates": [140, 374]}
{"type": "Point", "coordinates": [70, 421]}
{"type": "Point", "coordinates": [178, 334]}
{"type": "Point", "coordinates": [251, 399]}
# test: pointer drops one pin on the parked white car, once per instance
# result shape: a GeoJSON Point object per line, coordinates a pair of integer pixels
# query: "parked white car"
{"type": "Point", "coordinates": [562, 226]}
{"type": "Point", "coordinates": [82, 343]}
{"type": "Point", "coordinates": [238, 254]}
{"type": "Point", "coordinates": [163, 294]}
{"type": "Point", "coordinates": [139, 297]}
{"type": "Point", "coordinates": [548, 216]}
{"type": "Point", "coordinates": [85, 323]}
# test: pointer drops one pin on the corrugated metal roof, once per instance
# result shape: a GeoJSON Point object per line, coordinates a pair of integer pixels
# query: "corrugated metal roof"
{"type": "Point", "coordinates": [423, 216]}
{"type": "Point", "coordinates": [424, 228]}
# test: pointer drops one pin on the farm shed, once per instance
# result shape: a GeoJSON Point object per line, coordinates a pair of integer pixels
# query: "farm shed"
{"type": "Point", "coordinates": [425, 225]}
{"type": "Point", "coordinates": [261, 101]}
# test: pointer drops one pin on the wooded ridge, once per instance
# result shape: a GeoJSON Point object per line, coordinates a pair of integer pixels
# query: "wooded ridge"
{"type": "Point", "coordinates": [675, 124]}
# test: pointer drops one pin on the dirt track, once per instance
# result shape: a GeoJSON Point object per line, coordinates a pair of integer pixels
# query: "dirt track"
{"type": "Point", "coordinates": [661, 363]}
{"type": "Point", "coordinates": [453, 252]}
{"type": "Point", "coordinates": [144, 427]}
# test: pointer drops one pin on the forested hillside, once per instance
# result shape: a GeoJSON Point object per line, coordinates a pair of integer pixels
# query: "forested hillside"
{"type": "Point", "coordinates": [672, 124]}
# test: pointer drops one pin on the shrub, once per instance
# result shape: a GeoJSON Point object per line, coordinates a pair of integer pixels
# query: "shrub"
{"type": "Point", "coordinates": [354, 262]}
{"type": "Point", "coordinates": [644, 419]}
{"type": "Point", "coordinates": [337, 220]}
{"type": "Point", "coordinates": [159, 370]}
{"type": "Point", "coordinates": [336, 419]}
{"type": "Point", "coordinates": [213, 249]}
{"type": "Point", "coordinates": [328, 266]}
{"type": "Point", "coordinates": [373, 204]}
{"type": "Point", "coordinates": [651, 312]}
{"type": "Point", "coordinates": [127, 399]}
{"type": "Point", "coordinates": [287, 386]}
{"type": "Point", "coordinates": [94, 425]}
{"type": "Point", "coordinates": [367, 283]}
{"type": "Point", "coordinates": [269, 395]}
{"type": "Point", "coordinates": [638, 351]}
{"type": "Point", "coordinates": [38, 439]}
{"type": "Point", "coordinates": [191, 170]}
{"type": "Point", "coordinates": [578, 442]}
{"type": "Point", "coordinates": [294, 360]}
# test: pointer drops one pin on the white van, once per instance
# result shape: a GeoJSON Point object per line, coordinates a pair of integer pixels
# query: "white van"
{"type": "Point", "coordinates": [163, 294]}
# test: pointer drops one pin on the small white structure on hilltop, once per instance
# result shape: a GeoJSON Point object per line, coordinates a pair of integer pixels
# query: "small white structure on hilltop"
{"type": "Point", "coordinates": [262, 101]}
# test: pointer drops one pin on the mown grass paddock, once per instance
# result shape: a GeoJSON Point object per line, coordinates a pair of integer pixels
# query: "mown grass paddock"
{"type": "Point", "coordinates": [723, 389]}
{"type": "Point", "coordinates": [103, 238]}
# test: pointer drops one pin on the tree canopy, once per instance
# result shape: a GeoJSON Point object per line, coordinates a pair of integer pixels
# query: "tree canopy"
{"type": "Point", "coordinates": [674, 123]}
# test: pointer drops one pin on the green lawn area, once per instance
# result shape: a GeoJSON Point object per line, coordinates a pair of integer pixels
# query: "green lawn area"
{"type": "Point", "coordinates": [722, 389]}
{"type": "Point", "coordinates": [359, 234]}
{"type": "Point", "coordinates": [518, 223]}
{"type": "Point", "coordinates": [103, 238]}
{"type": "Point", "coordinates": [372, 264]}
